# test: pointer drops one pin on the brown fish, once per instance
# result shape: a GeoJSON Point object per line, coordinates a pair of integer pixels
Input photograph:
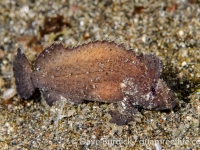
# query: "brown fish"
{"type": "Point", "coordinates": [98, 71]}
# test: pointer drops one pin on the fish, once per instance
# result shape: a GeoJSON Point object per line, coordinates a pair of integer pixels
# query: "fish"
{"type": "Point", "coordinates": [102, 71]}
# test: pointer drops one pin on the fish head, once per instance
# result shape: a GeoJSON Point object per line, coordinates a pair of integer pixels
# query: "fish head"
{"type": "Point", "coordinates": [150, 94]}
{"type": "Point", "coordinates": [160, 97]}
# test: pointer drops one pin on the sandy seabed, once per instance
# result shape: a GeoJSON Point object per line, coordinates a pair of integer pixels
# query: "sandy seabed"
{"type": "Point", "coordinates": [169, 29]}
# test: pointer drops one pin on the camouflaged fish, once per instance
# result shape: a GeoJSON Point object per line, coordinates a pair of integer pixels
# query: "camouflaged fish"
{"type": "Point", "coordinates": [98, 71]}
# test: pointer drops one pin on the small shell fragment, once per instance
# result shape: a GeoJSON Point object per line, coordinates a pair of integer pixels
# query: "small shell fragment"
{"type": "Point", "coordinates": [9, 93]}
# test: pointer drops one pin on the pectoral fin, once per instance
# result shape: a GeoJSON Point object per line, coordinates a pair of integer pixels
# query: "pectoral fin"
{"type": "Point", "coordinates": [123, 112]}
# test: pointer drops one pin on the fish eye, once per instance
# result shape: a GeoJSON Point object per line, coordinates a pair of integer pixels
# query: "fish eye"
{"type": "Point", "coordinates": [153, 91]}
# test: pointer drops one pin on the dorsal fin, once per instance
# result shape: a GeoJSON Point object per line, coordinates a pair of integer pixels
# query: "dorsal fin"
{"type": "Point", "coordinates": [49, 54]}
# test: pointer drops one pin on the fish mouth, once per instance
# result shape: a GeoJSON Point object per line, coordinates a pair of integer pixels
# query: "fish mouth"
{"type": "Point", "coordinates": [169, 106]}
{"type": "Point", "coordinates": [173, 101]}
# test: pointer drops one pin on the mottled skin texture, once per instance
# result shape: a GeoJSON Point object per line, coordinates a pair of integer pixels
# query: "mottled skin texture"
{"type": "Point", "coordinates": [98, 71]}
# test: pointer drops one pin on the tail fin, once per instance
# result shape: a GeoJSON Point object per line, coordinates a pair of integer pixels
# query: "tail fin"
{"type": "Point", "coordinates": [22, 72]}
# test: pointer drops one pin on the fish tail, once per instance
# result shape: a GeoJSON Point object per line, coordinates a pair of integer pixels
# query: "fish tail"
{"type": "Point", "coordinates": [22, 72]}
